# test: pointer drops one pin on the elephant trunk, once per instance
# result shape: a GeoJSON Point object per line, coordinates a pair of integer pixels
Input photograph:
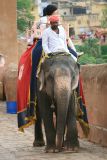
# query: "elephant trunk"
{"type": "Point", "coordinates": [62, 93]}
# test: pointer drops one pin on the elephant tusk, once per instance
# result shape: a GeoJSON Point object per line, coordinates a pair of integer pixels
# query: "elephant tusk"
{"type": "Point", "coordinates": [52, 106]}
{"type": "Point", "coordinates": [41, 79]}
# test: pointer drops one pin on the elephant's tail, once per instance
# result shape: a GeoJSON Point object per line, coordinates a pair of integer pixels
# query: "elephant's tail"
{"type": "Point", "coordinates": [41, 79]}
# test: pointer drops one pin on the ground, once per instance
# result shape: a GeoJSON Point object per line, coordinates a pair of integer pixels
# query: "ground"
{"type": "Point", "coordinates": [15, 145]}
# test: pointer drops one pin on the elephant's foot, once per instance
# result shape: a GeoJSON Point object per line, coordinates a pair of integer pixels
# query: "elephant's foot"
{"type": "Point", "coordinates": [52, 150]}
{"type": "Point", "coordinates": [38, 143]}
{"type": "Point", "coordinates": [71, 149]}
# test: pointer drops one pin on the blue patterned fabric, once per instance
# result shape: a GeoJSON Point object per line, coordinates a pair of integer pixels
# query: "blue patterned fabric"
{"type": "Point", "coordinates": [36, 55]}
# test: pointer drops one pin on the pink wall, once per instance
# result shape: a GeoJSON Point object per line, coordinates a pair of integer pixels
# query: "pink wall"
{"type": "Point", "coordinates": [95, 91]}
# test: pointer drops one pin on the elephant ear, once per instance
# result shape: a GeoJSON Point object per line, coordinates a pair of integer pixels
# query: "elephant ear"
{"type": "Point", "coordinates": [41, 79]}
{"type": "Point", "coordinates": [75, 82]}
{"type": "Point", "coordinates": [75, 78]}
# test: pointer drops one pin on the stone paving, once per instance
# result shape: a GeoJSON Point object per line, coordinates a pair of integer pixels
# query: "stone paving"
{"type": "Point", "coordinates": [15, 145]}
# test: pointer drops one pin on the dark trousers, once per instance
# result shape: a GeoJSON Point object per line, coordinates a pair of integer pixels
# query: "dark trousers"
{"type": "Point", "coordinates": [72, 52]}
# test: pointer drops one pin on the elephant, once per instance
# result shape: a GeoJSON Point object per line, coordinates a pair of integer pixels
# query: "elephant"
{"type": "Point", "coordinates": [57, 81]}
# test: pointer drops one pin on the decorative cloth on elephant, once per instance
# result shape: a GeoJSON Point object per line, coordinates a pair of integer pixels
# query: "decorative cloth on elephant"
{"type": "Point", "coordinates": [25, 113]}
{"type": "Point", "coordinates": [82, 111]}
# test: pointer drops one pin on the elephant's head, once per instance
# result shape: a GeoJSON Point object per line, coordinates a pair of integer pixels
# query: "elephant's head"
{"type": "Point", "coordinates": [62, 66]}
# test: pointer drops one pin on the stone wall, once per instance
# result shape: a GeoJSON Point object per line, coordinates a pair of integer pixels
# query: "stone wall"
{"type": "Point", "coordinates": [8, 31]}
{"type": "Point", "coordinates": [95, 91]}
{"type": "Point", "coordinates": [10, 82]}
{"type": "Point", "coordinates": [2, 69]}
{"type": "Point", "coordinates": [8, 37]}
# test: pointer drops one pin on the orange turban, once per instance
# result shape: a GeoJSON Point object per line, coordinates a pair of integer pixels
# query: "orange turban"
{"type": "Point", "coordinates": [54, 18]}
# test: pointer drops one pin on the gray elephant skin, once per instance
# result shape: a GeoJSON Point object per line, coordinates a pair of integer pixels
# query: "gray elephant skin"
{"type": "Point", "coordinates": [56, 84]}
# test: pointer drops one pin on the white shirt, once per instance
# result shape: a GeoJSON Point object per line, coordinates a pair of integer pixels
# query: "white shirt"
{"type": "Point", "coordinates": [43, 22]}
{"type": "Point", "coordinates": [53, 42]}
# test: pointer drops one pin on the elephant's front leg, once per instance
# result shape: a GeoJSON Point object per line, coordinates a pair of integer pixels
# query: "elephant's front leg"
{"type": "Point", "coordinates": [47, 116]}
{"type": "Point", "coordinates": [39, 140]}
{"type": "Point", "coordinates": [72, 143]}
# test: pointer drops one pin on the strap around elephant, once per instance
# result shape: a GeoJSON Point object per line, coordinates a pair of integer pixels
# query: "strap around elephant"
{"type": "Point", "coordinates": [57, 54]}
